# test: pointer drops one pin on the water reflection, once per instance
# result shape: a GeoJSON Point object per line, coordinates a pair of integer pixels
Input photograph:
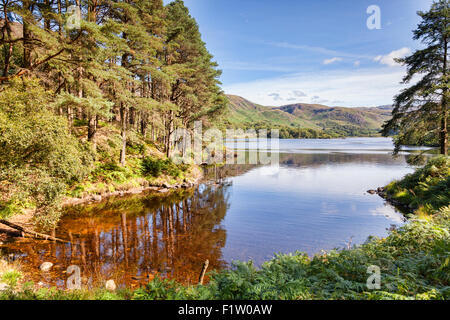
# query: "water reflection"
{"type": "Point", "coordinates": [311, 202]}
{"type": "Point", "coordinates": [133, 239]}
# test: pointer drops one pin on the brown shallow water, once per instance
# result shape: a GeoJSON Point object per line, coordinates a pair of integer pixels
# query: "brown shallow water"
{"type": "Point", "coordinates": [132, 239]}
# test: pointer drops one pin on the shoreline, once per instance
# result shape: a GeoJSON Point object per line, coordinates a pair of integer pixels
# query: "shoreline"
{"type": "Point", "coordinates": [382, 193]}
{"type": "Point", "coordinates": [25, 218]}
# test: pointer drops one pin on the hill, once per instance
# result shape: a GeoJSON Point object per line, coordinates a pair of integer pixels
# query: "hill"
{"type": "Point", "coordinates": [336, 121]}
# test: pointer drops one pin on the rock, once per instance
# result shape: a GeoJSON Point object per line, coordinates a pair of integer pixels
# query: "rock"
{"type": "Point", "coordinates": [110, 285]}
{"type": "Point", "coordinates": [46, 266]}
{"type": "Point", "coordinates": [163, 190]}
{"type": "Point", "coordinates": [371, 191]}
{"type": "Point", "coordinates": [380, 190]}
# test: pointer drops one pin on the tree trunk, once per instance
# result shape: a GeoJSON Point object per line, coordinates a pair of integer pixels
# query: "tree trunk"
{"type": "Point", "coordinates": [70, 118]}
{"type": "Point", "coordinates": [169, 130]}
{"type": "Point", "coordinates": [444, 131]}
{"type": "Point", "coordinates": [92, 129]}
{"type": "Point", "coordinates": [9, 51]}
{"type": "Point", "coordinates": [123, 120]}
{"type": "Point", "coordinates": [26, 38]}
{"type": "Point", "coordinates": [444, 120]}
{"type": "Point", "coordinates": [144, 124]}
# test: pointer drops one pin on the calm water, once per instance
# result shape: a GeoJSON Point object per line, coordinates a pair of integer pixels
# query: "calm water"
{"type": "Point", "coordinates": [314, 200]}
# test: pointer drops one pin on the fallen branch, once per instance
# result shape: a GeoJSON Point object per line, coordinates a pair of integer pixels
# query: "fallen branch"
{"type": "Point", "coordinates": [202, 274]}
{"type": "Point", "coordinates": [36, 235]}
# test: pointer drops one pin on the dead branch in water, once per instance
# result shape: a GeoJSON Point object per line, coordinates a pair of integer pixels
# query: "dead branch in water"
{"type": "Point", "coordinates": [202, 274]}
{"type": "Point", "coordinates": [34, 234]}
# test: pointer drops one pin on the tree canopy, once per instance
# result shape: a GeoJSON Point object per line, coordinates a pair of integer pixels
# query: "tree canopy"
{"type": "Point", "coordinates": [134, 62]}
{"type": "Point", "coordinates": [421, 111]}
{"type": "Point", "coordinates": [70, 68]}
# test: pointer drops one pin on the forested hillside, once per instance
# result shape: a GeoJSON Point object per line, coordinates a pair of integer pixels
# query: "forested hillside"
{"type": "Point", "coordinates": [93, 96]}
{"type": "Point", "coordinates": [308, 120]}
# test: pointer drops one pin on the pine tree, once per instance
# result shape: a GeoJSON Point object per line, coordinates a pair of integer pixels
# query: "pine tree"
{"type": "Point", "coordinates": [193, 76]}
{"type": "Point", "coordinates": [422, 109]}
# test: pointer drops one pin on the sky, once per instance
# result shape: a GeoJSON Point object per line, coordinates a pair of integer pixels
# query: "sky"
{"type": "Point", "coordinates": [282, 52]}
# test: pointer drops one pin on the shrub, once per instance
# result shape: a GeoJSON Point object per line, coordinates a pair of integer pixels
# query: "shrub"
{"type": "Point", "coordinates": [39, 157]}
{"type": "Point", "coordinates": [155, 167]}
{"type": "Point", "coordinates": [427, 187]}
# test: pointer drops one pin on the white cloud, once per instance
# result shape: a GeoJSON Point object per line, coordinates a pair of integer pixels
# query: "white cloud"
{"type": "Point", "coordinates": [332, 60]}
{"type": "Point", "coordinates": [353, 88]}
{"type": "Point", "coordinates": [357, 63]}
{"type": "Point", "coordinates": [317, 99]}
{"type": "Point", "coordinates": [299, 93]}
{"type": "Point", "coordinates": [389, 58]}
{"type": "Point", "coordinates": [276, 96]}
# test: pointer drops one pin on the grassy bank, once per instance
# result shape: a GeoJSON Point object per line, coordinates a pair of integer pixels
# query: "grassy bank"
{"type": "Point", "coordinates": [414, 261]}
{"type": "Point", "coordinates": [425, 190]}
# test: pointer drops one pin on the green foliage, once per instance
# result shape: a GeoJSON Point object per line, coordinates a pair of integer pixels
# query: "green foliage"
{"type": "Point", "coordinates": [40, 158]}
{"type": "Point", "coordinates": [27, 292]}
{"type": "Point", "coordinates": [427, 187]}
{"type": "Point", "coordinates": [420, 114]}
{"type": "Point", "coordinates": [156, 167]}
{"type": "Point", "coordinates": [160, 290]}
{"type": "Point", "coordinates": [11, 278]}
{"type": "Point", "coordinates": [9, 208]}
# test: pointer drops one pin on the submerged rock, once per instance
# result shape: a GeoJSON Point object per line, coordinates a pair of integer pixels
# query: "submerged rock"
{"type": "Point", "coordinates": [46, 266]}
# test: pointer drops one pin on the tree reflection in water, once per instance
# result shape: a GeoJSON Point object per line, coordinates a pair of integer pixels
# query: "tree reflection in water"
{"type": "Point", "coordinates": [131, 240]}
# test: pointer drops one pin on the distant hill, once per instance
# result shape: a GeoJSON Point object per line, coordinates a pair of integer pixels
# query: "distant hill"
{"type": "Point", "coordinates": [242, 111]}
{"type": "Point", "coordinates": [365, 120]}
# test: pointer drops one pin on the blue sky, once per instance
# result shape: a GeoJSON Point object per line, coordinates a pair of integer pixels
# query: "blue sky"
{"type": "Point", "coordinates": [288, 51]}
